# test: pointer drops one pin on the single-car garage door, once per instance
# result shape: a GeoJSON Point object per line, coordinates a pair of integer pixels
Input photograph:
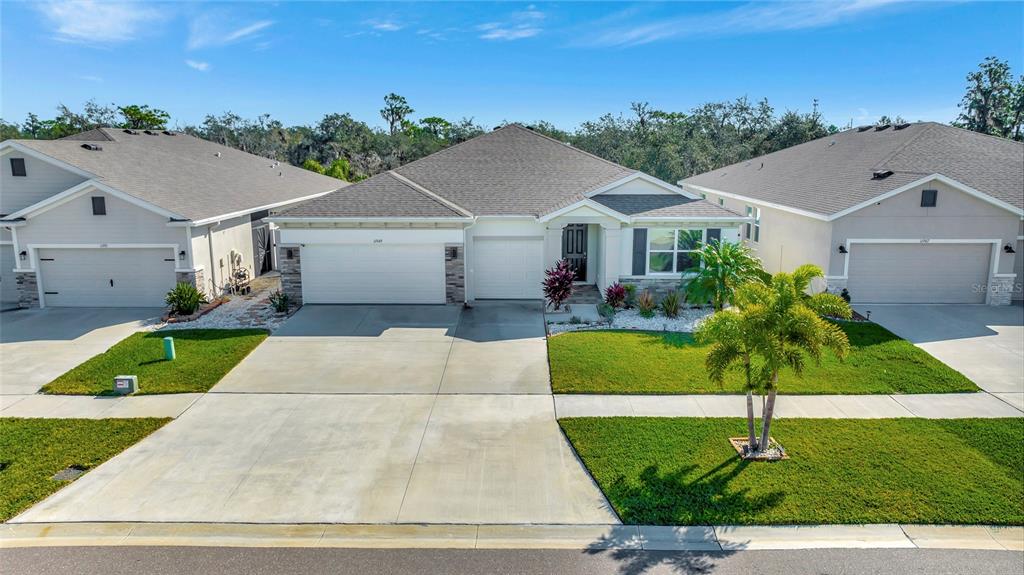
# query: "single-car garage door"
{"type": "Point", "coordinates": [109, 277]}
{"type": "Point", "coordinates": [373, 273]}
{"type": "Point", "coordinates": [919, 273]}
{"type": "Point", "coordinates": [508, 268]}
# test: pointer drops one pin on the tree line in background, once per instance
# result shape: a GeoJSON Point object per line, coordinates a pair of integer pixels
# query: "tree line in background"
{"type": "Point", "coordinates": [668, 145]}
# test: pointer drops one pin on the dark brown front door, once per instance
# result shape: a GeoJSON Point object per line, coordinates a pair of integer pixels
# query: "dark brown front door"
{"type": "Point", "coordinates": [574, 248]}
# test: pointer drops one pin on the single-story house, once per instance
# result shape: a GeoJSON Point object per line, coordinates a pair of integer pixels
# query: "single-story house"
{"type": "Point", "coordinates": [483, 220]}
{"type": "Point", "coordinates": [908, 213]}
{"type": "Point", "coordinates": [114, 218]}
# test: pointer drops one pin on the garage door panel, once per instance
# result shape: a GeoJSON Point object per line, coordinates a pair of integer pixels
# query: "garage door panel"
{"type": "Point", "coordinates": [508, 268]}
{"type": "Point", "coordinates": [918, 273]}
{"type": "Point", "coordinates": [356, 273]}
{"type": "Point", "coordinates": [113, 277]}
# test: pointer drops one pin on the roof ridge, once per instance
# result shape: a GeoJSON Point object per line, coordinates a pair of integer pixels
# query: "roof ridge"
{"type": "Point", "coordinates": [929, 126]}
{"type": "Point", "coordinates": [570, 146]}
{"type": "Point", "coordinates": [433, 196]}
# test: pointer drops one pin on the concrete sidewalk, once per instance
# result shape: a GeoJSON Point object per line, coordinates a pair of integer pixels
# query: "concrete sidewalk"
{"type": "Point", "coordinates": [100, 407]}
{"type": "Point", "coordinates": [931, 406]}
{"type": "Point", "coordinates": [456, 536]}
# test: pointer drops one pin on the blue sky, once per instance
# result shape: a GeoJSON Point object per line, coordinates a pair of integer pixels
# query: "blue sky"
{"type": "Point", "coordinates": [563, 62]}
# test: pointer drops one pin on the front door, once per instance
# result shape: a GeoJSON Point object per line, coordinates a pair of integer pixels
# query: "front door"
{"type": "Point", "coordinates": [574, 249]}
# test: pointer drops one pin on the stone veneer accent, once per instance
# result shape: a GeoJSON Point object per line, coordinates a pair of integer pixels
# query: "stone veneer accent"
{"type": "Point", "coordinates": [1000, 290]}
{"type": "Point", "coordinates": [454, 273]}
{"type": "Point", "coordinates": [291, 272]}
{"type": "Point", "coordinates": [195, 278]}
{"type": "Point", "coordinates": [28, 289]}
{"type": "Point", "coordinates": [660, 287]}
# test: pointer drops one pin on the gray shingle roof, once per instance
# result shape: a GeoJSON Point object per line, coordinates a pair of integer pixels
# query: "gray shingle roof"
{"type": "Point", "coordinates": [833, 173]}
{"type": "Point", "coordinates": [662, 205]}
{"type": "Point", "coordinates": [184, 174]}
{"type": "Point", "coordinates": [512, 171]}
{"type": "Point", "coordinates": [383, 195]}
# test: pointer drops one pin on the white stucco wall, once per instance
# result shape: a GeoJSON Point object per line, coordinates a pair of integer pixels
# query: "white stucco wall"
{"type": "Point", "coordinates": [232, 234]}
{"type": "Point", "coordinates": [956, 215]}
{"type": "Point", "coordinates": [41, 181]}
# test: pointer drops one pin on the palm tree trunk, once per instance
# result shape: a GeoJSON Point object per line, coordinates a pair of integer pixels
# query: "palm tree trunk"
{"type": "Point", "coordinates": [751, 434]}
{"type": "Point", "coordinates": [769, 411]}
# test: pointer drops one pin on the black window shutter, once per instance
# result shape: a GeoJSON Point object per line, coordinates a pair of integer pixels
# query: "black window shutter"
{"type": "Point", "coordinates": [99, 206]}
{"type": "Point", "coordinates": [639, 251]}
{"type": "Point", "coordinates": [18, 167]}
{"type": "Point", "coordinates": [714, 234]}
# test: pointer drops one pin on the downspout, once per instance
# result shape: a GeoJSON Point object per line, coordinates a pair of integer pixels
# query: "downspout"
{"type": "Point", "coordinates": [213, 269]}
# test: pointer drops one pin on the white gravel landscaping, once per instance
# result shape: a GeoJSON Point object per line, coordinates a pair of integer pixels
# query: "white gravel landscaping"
{"type": "Point", "coordinates": [686, 321]}
{"type": "Point", "coordinates": [241, 311]}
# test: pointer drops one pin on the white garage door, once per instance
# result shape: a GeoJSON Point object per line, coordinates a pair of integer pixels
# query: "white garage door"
{"type": "Point", "coordinates": [367, 273]}
{"type": "Point", "coordinates": [919, 273]}
{"type": "Point", "coordinates": [508, 268]}
{"type": "Point", "coordinates": [8, 285]}
{"type": "Point", "coordinates": [113, 277]}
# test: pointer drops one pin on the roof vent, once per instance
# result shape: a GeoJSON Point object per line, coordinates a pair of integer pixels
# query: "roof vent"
{"type": "Point", "coordinates": [217, 154]}
{"type": "Point", "coordinates": [150, 133]}
{"type": "Point", "coordinates": [901, 126]}
{"type": "Point", "coordinates": [832, 143]}
{"type": "Point", "coordinates": [170, 133]}
{"type": "Point", "coordinates": [881, 174]}
{"type": "Point", "coordinates": [127, 131]}
{"type": "Point", "coordinates": [881, 127]}
{"type": "Point", "coordinates": [863, 128]}
{"type": "Point", "coordinates": [93, 147]}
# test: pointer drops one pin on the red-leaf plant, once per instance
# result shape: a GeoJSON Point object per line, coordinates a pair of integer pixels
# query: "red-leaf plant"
{"type": "Point", "coordinates": [615, 295]}
{"type": "Point", "coordinates": [558, 283]}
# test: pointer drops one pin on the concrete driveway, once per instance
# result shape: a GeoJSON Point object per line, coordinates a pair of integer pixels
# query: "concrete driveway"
{"type": "Point", "coordinates": [492, 348]}
{"type": "Point", "coordinates": [360, 414]}
{"type": "Point", "coordinates": [38, 345]}
{"type": "Point", "coordinates": [985, 343]}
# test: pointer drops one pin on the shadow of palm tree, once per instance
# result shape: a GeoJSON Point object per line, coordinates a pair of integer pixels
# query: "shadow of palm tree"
{"type": "Point", "coordinates": [678, 498]}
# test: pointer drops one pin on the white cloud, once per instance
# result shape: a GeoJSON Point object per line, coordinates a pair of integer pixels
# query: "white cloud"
{"type": "Point", "coordinates": [519, 25]}
{"type": "Point", "coordinates": [91, 22]}
{"type": "Point", "coordinates": [210, 30]}
{"type": "Point", "coordinates": [197, 65]}
{"type": "Point", "coordinates": [746, 19]}
{"type": "Point", "coordinates": [384, 25]}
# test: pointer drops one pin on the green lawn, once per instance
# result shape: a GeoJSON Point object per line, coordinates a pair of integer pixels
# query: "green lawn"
{"type": "Point", "coordinates": [204, 356]}
{"type": "Point", "coordinates": [653, 362]}
{"type": "Point", "coordinates": [33, 450]}
{"type": "Point", "coordinates": [683, 471]}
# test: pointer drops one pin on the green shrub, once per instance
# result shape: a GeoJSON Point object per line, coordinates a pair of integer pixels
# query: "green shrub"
{"type": "Point", "coordinates": [670, 304]}
{"type": "Point", "coordinates": [630, 295]}
{"type": "Point", "coordinates": [645, 304]}
{"type": "Point", "coordinates": [280, 301]}
{"type": "Point", "coordinates": [185, 299]}
{"type": "Point", "coordinates": [606, 310]}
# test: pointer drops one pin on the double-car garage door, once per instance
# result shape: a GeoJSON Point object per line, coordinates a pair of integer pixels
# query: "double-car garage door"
{"type": "Point", "coordinates": [109, 277]}
{"type": "Point", "coordinates": [373, 273]}
{"type": "Point", "coordinates": [919, 273]}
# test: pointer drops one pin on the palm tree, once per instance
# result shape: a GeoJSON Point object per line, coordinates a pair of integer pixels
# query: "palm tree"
{"type": "Point", "coordinates": [721, 268]}
{"type": "Point", "coordinates": [773, 326]}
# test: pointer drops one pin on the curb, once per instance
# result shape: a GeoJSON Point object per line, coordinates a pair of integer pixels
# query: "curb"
{"type": "Point", "coordinates": [576, 537]}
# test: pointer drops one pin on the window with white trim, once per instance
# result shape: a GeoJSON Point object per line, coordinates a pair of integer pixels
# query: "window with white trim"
{"type": "Point", "coordinates": [671, 251]}
{"type": "Point", "coordinates": [752, 231]}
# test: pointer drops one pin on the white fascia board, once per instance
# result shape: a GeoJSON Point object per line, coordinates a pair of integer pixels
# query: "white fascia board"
{"type": "Point", "coordinates": [228, 216]}
{"type": "Point", "coordinates": [762, 203]}
{"type": "Point", "coordinates": [10, 145]}
{"type": "Point", "coordinates": [311, 220]}
{"type": "Point", "coordinates": [82, 189]}
{"type": "Point", "coordinates": [736, 219]}
{"type": "Point", "coordinates": [645, 177]}
{"type": "Point", "coordinates": [934, 177]}
{"type": "Point", "coordinates": [586, 202]}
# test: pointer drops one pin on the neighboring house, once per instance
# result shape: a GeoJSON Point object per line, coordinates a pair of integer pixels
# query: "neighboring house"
{"type": "Point", "coordinates": [911, 213]}
{"type": "Point", "coordinates": [485, 218]}
{"type": "Point", "coordinates": [113, 218]}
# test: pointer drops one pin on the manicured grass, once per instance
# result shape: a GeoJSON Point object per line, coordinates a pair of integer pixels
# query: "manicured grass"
{"type": "Point", "coordinates": [33, 450]}
{"type": "Point", "coordinates": [204, 356]}
{"type": "Point", "coordinates": [683, 471]}
{"type": "Point", "coordinates": [653, 362]}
